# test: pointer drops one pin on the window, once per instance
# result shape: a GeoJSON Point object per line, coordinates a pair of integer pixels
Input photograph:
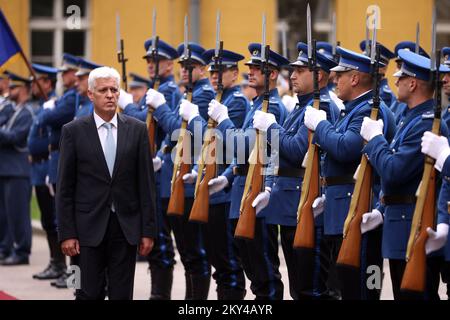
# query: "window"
{"type": "Point", "coordinates": [49, 34]}
{"type": "Point", "coordinates": [442, 23]}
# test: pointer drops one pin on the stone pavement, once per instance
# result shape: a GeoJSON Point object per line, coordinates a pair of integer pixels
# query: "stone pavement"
{"type": "Point", "coordinates": [17, 281]}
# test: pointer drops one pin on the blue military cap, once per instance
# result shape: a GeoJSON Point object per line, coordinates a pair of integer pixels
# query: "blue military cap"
{"type": "Point", "coordinates": [196, 53]}
{"type": "Point", "coordinates": [325, 48]}
{"type": "Point", "coordinates": [276, 60]}
{"type": "Point", "coordinates": [70, 62]}
{"type": "Point", "coordinates": [385, 53]}
{"type": "Point", "coordinates": [138, 81]}
{"type": "Point", "coordinates": [415, 65]}
{"type": "Point", "coordinates": [229, 59]}
{"type": "Point", "coordinates": [16, 80]}
{"type": "Point", "coordinates": [323, 61]}
{"type": "Point", "coordinates": [85, 67]}
{"type": "Point", "coordinates": [165, 50]}
{"type": "Point", "coordinates": [44, 71]}
{"type": "Point", "coordinates": [446, 54]}
{"type": "Point", "coordinates": [411, 46]}
{"type": "Point", "coordinates": [350, 60]}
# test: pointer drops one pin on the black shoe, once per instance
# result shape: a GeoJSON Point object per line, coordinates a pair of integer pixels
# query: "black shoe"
{"type": "Point", "coordinates": [3, 256]}
{"type": "Point", "coordinates": [61, 283]}
{"type": "Point", "coordinates": [15, 260]}
{"type": "Point", "coordinates": [53, 271]}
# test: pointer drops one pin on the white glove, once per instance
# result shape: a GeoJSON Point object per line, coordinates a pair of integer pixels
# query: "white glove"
{"type": "Point", "coordinates": [318, 205]}
{"type": "Point", "coordinates": [217, 111]}
{"type": "Point", "coordinates": [289, 102]}
{"type": "Point", "coordinates": [371, 128]}
{"type": "Point", "coordinates": [49, 104]}
{"type": "Point", "coordinates": [125, 99]}
{"type": "Point", "coordinates": [188, 110]}
{"type": "Point", "coordinates": [51, 191]}
{"type": "Point", "coordinates": [436, 239]}
{"type": "Point", "coordinates": [313, 117]}
{"type": "Point", "coordinates": [154, 98]}
{"type": "Point", "coordinates": [436, 147]}
{"type": "Point", "coordinates": [262, 200]}
{"type": "Point", "coordinates": [190, 177]}
{"type": "Point", "coordinates": [157, 163]}
{"type": "Point", "coordinates": [217, 184]}
{"type": "Point", "coordinates": [371, 220]}
{"type": "Point", "coordinates": [263, 120]}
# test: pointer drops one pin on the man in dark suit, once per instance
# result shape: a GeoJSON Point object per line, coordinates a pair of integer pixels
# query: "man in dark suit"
{"type": "Point", "coordinates": [105, 200]}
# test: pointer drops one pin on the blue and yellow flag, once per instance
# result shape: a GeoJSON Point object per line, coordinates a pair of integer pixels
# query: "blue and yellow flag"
{"type": "Point", "coordinates": [9, 46]}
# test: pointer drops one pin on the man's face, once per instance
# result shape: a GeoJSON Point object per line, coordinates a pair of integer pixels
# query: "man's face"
{"type": "Point", "coordinates": [229, 76]}
{"type": "Point", "coordinates": [446, 84]}
{"type": "Point", "coordinates": [4, 85]}
{"type": "Point", "coordinates": [14, 93]}
{"type": "Point", "coordinates": [69, 78]}
{"type": "Point", "coordinates": [197, 73]}
{"type": "Point", "coordinates": [138, 93]}
{"type": "Point", "coordinates": [82, 84]}
{"type": "Point", "coordinates": [302, 80]}
{"type": "Point", "coordinates": [163, 66]}
{"type": "Point", "coordinates": [343, 81]}
{"type": "Point", "coordinates": [403, 84]}
{"type": "Point", "coordinates": [255, 77]}
{"type": "Point", "coordinates": [45, 84]}
{"type": "Point", "coordinates": [104, 96]}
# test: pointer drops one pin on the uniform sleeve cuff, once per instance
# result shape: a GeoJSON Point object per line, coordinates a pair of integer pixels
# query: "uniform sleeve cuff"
{"type": "Point", "coordinates": [441, 159]}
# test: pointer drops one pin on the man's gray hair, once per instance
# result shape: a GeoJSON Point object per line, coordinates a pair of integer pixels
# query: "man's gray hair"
{"type": "Point", "coordinates": [103, 73]}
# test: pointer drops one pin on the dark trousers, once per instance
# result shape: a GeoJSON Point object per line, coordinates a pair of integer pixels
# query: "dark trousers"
{"type": "Point", "coordinates": [331, 246]}
{"type": "Point", "coordinates": [222, 252]}
{"type": "Point", "coordinates": [445, 274]}
{"type": "Point", "coordinates": [5, 237]}
{"type": "Point", "coordinates": [189, 241]}
{"type": "Point", "coordinates": [162, 255]}
{"type": "Point", "coordinates": [301, 285]}
{"type": "Point", "coordinates": [15, 205]}
{"type": "Point", "coordinates": [397, 268]}
{"type": "Point", "coordinates": [114, 259]}
{"type": "Point", "coordinates": [261, 263]}
{"type": "Point", "coordinates": [46, 205]}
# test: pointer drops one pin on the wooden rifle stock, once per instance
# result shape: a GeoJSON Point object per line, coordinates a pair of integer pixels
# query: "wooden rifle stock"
{"type": "Point", "coordinates": [151, 124]}
{"type": "Point", "coordinates": [200, 207]}
{"type": "Point", "coordinates": [305, 232]}
{"type": "Point", "coordinates": [254, 183]}
{"type": "Point", "coordinates": [414, 277]}
{"type": "Point", "coordinates": [181, 167]}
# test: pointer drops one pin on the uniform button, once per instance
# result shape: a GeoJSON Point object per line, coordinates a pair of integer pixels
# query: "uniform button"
{"type": "Point", "coordinates": [298, 187]}
{"type": "Point", "coordinates": [349, 194]}
{"type": "Point", "coordinates": [403, 216]}
{"type": "Point", "coordinates": [342, 113]}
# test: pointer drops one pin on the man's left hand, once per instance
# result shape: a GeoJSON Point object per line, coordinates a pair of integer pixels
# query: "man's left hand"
{"type": "Point", "coordinates": [125, 99]}
{"type": "Point", "coordinates": [146, 246]}
{"type": "Point", "coordinates": [313, 117]}
{"type": "Point", "coordinates": [263, 120]}
{"type": "Point", "coordinates": [188, 110]}
{"type": "Point", "coordinates": [371, 128]}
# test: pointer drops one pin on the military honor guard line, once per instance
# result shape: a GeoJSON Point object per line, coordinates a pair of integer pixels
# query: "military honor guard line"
{"type": "Point", "coordinates": [345, 175]}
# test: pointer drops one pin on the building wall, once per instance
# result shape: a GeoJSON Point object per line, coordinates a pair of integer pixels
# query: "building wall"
{"type": "Point", "coordinates": [398, 23]}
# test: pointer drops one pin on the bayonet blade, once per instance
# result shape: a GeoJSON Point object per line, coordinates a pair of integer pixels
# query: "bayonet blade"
{"type": "Point", "coordinates": [433, 61]}
{"type": "Point", "coordinates": [153, 29]}
{"type": "Point", "coordinates": [216, 51]}
{"type": "Point", "coordinates": [185, 36]}
{"type": "Point", "coordinates": [417, 38]}
{"type": "Point", "coordinates": [263, 42]}
{"type": "Point", "coordinates": [309, 31]}
{"type": "Point", "coordinates": [118, 31]}
{"type": "Point", "coordinates": [366, 51]}
{"type": "Point", "coordinates": [373, 45]}
{"type": "Point", "coordinates": [333, 34]}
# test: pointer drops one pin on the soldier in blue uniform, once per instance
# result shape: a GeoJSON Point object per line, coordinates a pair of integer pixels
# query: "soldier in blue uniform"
{"type": "Point", "coordinates": [342, 145]}
{"type": "Point", "coordinates": [54, 116]}
{"type": "Point", "coordinates": [188, 236]}
{"type": "Point", "coordinates": [259, 256]}
{"type": "Point", "coordinates": [161, 258]}
{"type": "Point", "coordinates": [15, 190]}
{"type": "Point", "coordinates": [84, 106]}
{"type": "Point", "coordinates": [220, 245]}
{"type": "Point", "coordinates": [399, 107]}
{"type": "Point", "coordinates": [6, 106]}
{"type": "Point", "coordinates": [138, 87]}
{"type": "Point", "coordinates": [285, 184]}
{"type": "Point", "coordinates": [446, 86]}
{"type": "Point", "coordinates": [400, 166]}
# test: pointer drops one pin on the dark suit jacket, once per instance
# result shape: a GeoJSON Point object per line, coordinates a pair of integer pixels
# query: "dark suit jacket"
{"type": "Point", "coordinates": [85, 190]}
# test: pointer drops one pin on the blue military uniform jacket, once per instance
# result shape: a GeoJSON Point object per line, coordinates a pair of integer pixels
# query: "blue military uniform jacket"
{"type": "Point", "coordinates": [342, 144]}
{"type": "Point", "coordinates": [238, 106]}
{"type": "Point", "coordinates": [231, 136]}
{"type": "Point", "coordinates": [6, 111]}
{"type": "Point", "coordinates": [400, 166]}
{"type": "Point", "coordinates": [169, 120]}
{"type": "Point", "coordinates": [293, 145]}
{"type": "Point", "coordinates": [38, 141]}
{"type": "Point", "coordinates": [84, 107]}
{"type": "Point", "coordinates": [13, 143]}
{"type": "Point", "coordinates": [386, 93]}
{"type": "Point", "coordinates": [55, 118]}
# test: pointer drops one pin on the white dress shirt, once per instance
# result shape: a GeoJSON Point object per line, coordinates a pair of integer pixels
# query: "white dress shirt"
{"type": "Point", "coordinates": [102, 131]}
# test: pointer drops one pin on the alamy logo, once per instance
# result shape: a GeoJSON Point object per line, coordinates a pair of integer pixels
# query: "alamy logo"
{"type": "Point", "coordinates": [73, 21]}
{"type": "Point", "coordinates": [74, 280]}
{"type": "Point", "coordinates": [375, 277]}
